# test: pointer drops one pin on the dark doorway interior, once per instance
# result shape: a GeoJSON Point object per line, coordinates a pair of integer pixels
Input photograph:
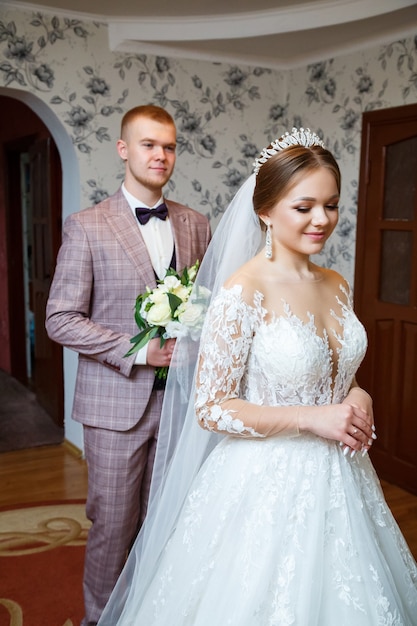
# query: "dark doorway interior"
{"type": "Point", "coordinates": [30, 234]}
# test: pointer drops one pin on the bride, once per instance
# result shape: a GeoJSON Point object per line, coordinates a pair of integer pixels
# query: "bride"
{"type": "Point", "coordinates": [266, 509]}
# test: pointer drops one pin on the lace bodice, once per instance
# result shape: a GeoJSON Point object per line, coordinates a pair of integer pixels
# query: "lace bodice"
{"type": "Point", "coordinates": [279, 531]}
{"type": "Point", "coordinates": [276, 363]}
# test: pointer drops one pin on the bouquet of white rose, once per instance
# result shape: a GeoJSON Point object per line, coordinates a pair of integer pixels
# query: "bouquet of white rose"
{"type": "Point", "coordinates": [169, 311]}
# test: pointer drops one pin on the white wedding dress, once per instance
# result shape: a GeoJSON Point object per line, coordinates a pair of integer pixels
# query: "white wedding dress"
{"type": "Point", "coordinates": [283, 530]}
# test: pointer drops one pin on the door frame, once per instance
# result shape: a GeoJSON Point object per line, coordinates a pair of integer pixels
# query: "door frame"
{"type": "Point", "coordinates": [71, 202]}
{"type": "Point", "coordinates": [390, 463]}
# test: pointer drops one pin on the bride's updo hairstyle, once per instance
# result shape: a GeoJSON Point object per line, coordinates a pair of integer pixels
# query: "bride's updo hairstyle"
{"type": "Point", "coordinates": [283, 170]}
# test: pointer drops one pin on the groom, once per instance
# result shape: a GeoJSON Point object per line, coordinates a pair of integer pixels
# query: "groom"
{"type": "Point", "coordinates": [107, 258]}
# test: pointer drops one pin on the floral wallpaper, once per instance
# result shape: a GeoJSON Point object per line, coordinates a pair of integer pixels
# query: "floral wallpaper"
{"type": "Point", "coordinates": [224, 113]}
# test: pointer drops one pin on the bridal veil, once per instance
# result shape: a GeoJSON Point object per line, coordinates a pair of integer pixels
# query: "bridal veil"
{"type": "Point", "coordinates": [182, 445]}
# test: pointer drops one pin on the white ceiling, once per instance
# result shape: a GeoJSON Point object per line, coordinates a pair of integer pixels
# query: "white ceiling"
{"type": "Point", "coordinates": [270, 33]}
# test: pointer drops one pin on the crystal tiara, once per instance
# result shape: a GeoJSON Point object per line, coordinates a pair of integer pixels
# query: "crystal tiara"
{"type": "Point", "coordinates": [297, 137]}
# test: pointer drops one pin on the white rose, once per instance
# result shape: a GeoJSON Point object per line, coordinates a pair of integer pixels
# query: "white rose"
{"type": "Point", "coordinates": [190, 314]}
{"type": "Point", "coordinates": [182, 292]}
{"type": "Point", "coordinates": [203, 293]}
{"type": "Point", "coordinates": [170, 283]}
{"type": "Point", "coordinates": [159, 314]}
{"type": "Point", "coordinates": [158, 296]}
{"type": "Point", "coordinates": [174, 330]}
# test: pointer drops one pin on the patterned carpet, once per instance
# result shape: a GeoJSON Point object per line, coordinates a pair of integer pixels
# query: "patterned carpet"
{"type": "Point", "coordinates": [41, 563]}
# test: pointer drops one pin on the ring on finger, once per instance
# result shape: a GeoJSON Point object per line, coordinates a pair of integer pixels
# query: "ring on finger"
{"type": "Point", "coordinates": [355, 430]}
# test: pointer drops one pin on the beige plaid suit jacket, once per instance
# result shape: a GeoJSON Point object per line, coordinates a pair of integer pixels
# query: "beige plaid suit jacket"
{"type": "Point", "coordinates": [102, 266]}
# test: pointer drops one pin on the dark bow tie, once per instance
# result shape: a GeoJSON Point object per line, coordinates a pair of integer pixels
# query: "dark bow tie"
{"type": "Point", "coordinates": [144, 215]}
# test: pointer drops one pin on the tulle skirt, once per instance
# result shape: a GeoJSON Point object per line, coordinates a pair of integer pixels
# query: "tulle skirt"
{"type": "Point", "coordinates": [279, 532]}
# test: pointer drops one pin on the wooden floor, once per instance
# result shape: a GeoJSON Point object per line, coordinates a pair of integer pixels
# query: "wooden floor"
{"type": "Point", "coordinates": [56, 473]}
{"type": "Point", "coordinates": [44, 474]}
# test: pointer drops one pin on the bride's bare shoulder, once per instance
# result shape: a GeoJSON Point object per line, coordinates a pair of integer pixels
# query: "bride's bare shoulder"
{"type": "Point", "coordinates": [334, 283]}
{"type": "Point", "coordinates": [334, 278]}
{"type": "Point", "coordinates": [247, 277]}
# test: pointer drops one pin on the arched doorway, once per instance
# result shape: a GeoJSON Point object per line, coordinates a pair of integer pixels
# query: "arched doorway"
{"type": "Point", "coordinates": [38, 186]}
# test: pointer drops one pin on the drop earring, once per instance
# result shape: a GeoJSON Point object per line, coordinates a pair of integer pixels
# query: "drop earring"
{"type": "Point", "coordinates": [268, 241]}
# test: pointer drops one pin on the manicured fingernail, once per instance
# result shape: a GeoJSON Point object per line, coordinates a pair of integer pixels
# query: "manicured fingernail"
{"type": "Point", "coordinates": [364, 451]}
{"type": "Point", "coordinates": [373, 436]}
{"type": "Point", "coordinates": [369, 442]}
{"type": "Point", "coordinates": [346, 450]}
{"type": "Point", "coordinates": [373, 426]}
{"type": "Point", "coordinates": [352, 454]}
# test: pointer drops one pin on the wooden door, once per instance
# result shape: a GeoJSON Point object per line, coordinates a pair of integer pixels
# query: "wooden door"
{"type": "Point", "coordinates": [45, 199]}
{"type": "Point", "coordinates": [386, 286]}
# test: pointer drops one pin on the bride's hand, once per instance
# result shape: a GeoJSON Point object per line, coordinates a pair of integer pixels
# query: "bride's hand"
{"type": "Point", "coordinates": [347, 423]}
{"type": "Point", "coordinates": [359, 398]}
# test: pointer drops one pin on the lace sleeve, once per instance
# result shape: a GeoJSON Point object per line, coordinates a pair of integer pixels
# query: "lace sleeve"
{"type": "Point", "coordinates": [224, 350]}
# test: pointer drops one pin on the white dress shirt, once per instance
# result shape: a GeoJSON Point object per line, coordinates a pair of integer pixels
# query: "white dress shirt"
{"type": "Point", "coordinates": [159, 240]}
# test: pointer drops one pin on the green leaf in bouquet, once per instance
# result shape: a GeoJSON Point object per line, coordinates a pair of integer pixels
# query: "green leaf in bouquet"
{"type": "Point", "coordinates": [184, 277]}
{"type": "Point", "coordinates": [174, 302]}
{"type": "Point", "coordinates": [141, 339]}
{"type": "Point", "coordinates": [140, 321]}
{"type": "Point", "coordinates": [170, 272]}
